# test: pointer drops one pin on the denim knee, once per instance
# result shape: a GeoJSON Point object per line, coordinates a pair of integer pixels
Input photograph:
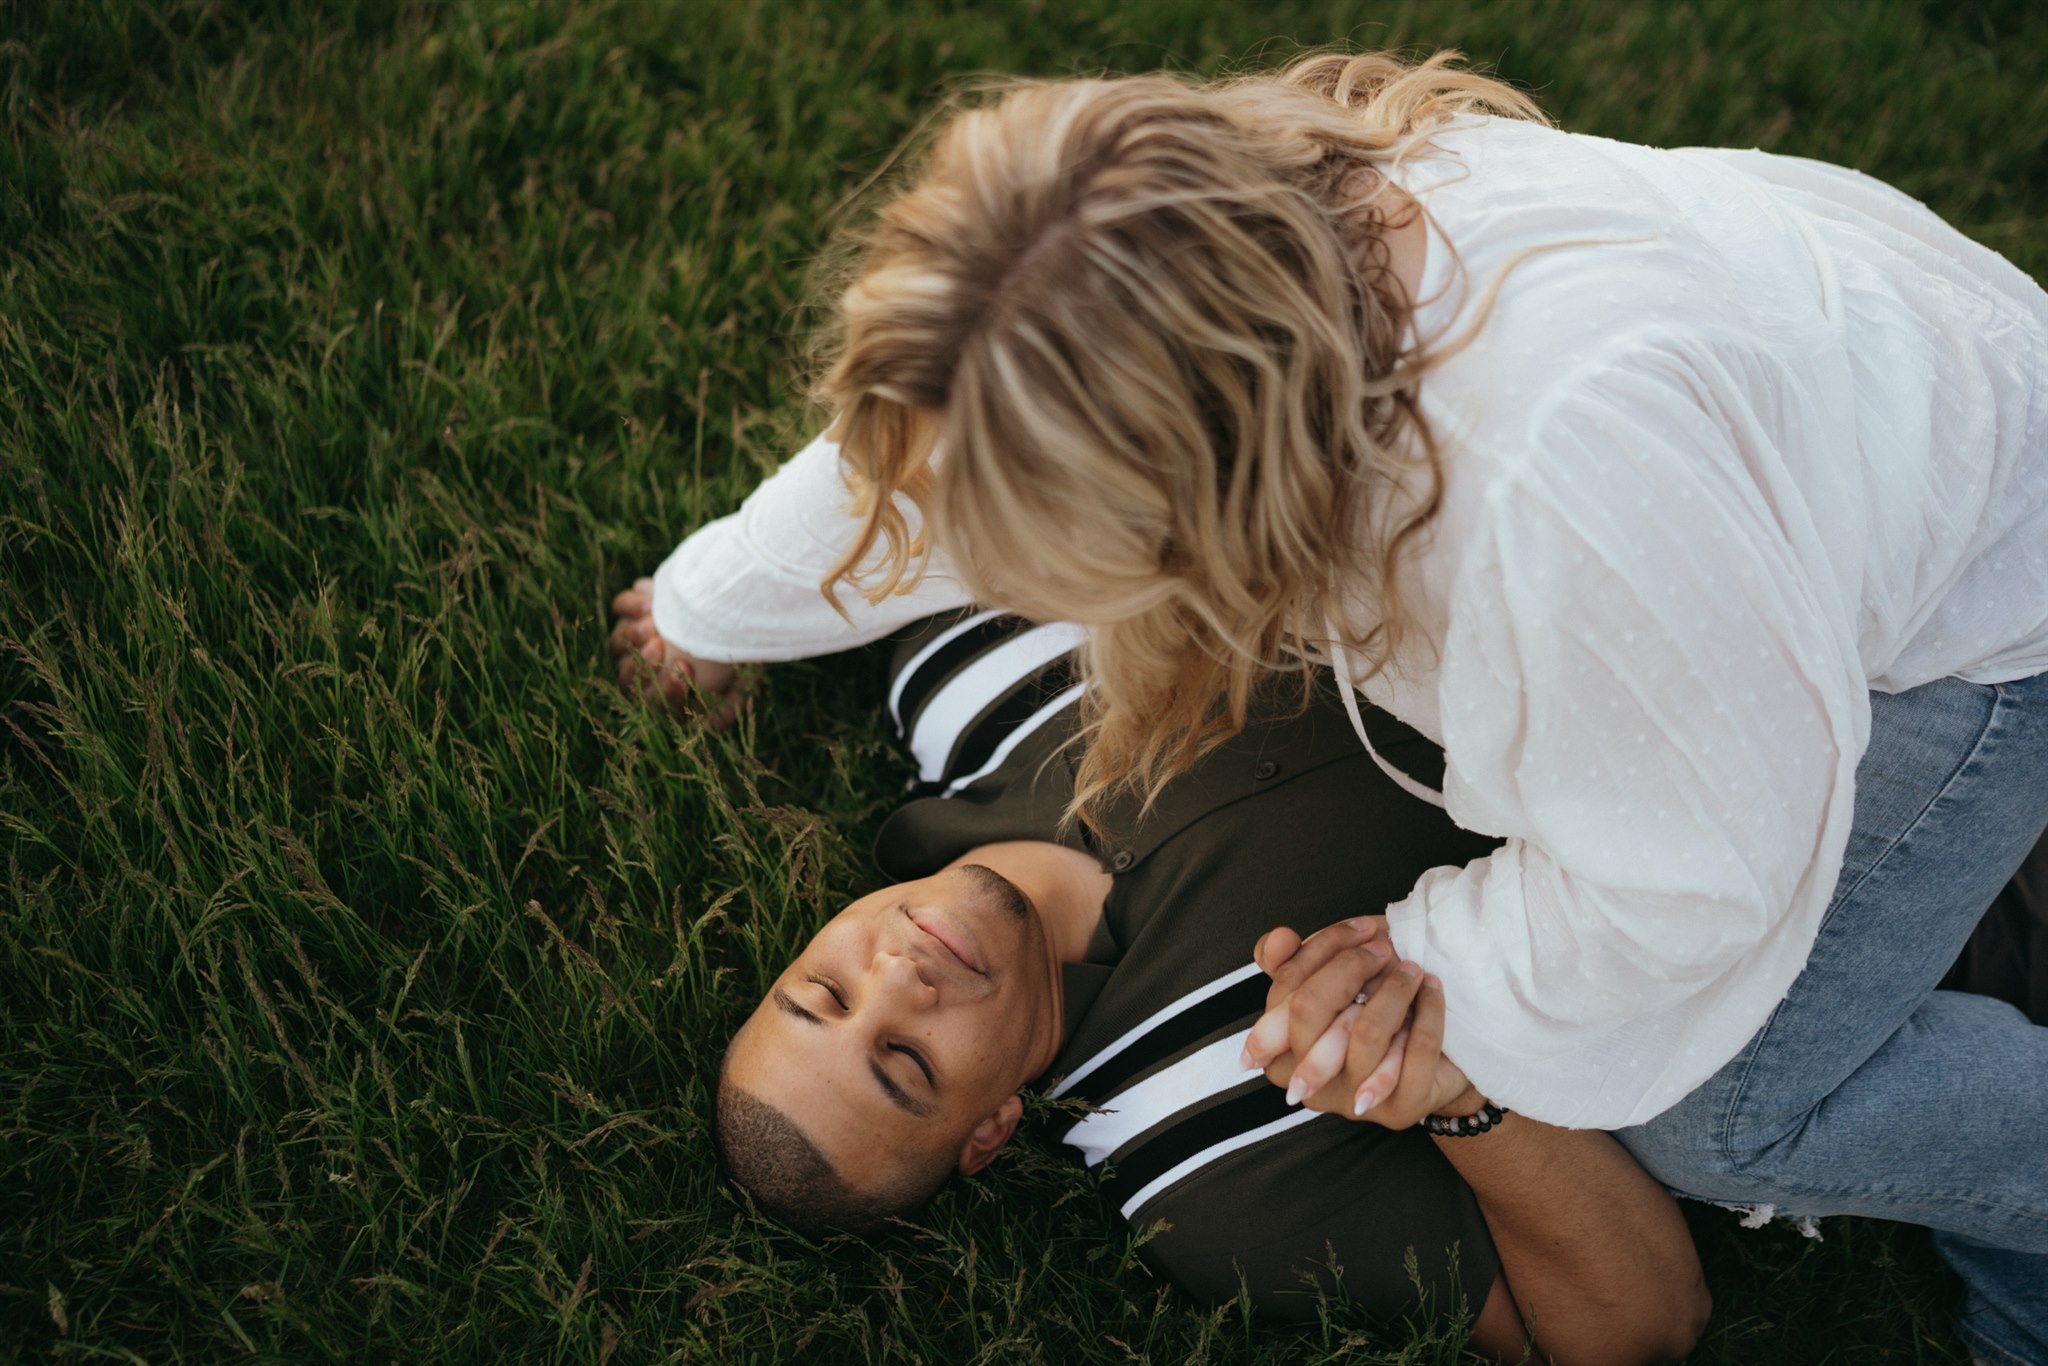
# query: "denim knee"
{"type": "Point", "coordinates": [1683, 1148]}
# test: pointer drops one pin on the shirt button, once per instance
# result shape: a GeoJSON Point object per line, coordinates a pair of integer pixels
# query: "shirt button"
{"type": "Point", "coordinates": [1265, 770]}
{"type": "Point", "coordinates": [1123, 860]}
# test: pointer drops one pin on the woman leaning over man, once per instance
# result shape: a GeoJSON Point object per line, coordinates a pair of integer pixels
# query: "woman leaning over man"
{"type": "Point", "coordinates": [1695, 501]}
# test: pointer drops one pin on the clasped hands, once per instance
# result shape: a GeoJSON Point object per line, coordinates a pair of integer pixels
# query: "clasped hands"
{"type": "Point", "coordinates": [1380, 1059]}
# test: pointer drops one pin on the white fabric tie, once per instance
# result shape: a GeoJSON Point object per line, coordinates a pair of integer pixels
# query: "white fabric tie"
{"type": "Point", "coordinates": [1340, 663]}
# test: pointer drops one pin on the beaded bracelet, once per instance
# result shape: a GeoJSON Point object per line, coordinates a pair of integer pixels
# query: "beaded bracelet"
{"type": "Point", "coordinates": [1464, 1126]}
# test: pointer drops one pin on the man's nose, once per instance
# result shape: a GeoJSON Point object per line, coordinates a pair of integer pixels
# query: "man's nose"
{"type": "Point", "coordinates": [897, 970]}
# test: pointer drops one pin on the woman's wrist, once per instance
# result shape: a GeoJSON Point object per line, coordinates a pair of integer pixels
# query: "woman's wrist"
{"type": "Point", "coordinates": [1466, 1102]}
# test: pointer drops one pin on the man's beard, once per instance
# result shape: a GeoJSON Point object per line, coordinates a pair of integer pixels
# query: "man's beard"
{"type": "Point", "coordinates": [1000, 890]}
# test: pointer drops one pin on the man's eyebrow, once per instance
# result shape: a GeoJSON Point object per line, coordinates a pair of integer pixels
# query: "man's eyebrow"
{"type": "Point", "coordinates": [899, 1097]}
{"type": "Point", "coordinates": [787, 1004]}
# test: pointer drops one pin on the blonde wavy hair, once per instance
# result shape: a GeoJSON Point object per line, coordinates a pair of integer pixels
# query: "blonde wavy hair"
{"type": "Point", "coordinates": [1132, 350]}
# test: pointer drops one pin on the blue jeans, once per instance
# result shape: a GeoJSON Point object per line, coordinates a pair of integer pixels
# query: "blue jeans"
{"type": "Point", "coordinates": [1869, 1092]}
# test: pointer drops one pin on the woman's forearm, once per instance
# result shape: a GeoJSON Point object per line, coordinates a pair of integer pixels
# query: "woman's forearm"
{"type": "Point", "coordinates": [746, 588]}
{"type": "Point", "coordinates": [1595, 1252]}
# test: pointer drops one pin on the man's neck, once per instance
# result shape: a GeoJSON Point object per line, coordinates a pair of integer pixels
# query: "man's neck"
{"type": "Point", "coordinates": [1067, 886]}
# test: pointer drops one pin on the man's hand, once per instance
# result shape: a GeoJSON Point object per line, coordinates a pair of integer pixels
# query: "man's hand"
{"type": "Point", "coordinates": [651, 668]}
{"type": "Point", "coordinates": [1380, 1060]}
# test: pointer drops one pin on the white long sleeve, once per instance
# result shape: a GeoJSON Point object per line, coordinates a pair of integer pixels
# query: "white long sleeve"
{"type": "Point", "coordinates": [1641, 690]}
{"type": "Point", "coordinates": [745, 588]}
{"type": "Point", "coordinates": [1742, 439]}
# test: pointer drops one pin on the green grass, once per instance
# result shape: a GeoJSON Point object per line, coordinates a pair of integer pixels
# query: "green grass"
{"type": "Point", "coordinates": [363, 958]}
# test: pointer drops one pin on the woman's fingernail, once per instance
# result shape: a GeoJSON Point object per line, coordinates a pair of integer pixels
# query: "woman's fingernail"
{"type": "Point", "coordinates": [1361, 924]}
{"type": "Point", "coordinates": [1296, 1089]}
{"type": "Point", "coordinates": [1244, 1060]}
{"type": "Point", "coordinates": [1365, 1101]}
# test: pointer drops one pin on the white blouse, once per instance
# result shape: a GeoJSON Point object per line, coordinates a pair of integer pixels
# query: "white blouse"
{"type": "Point", "coordinates": [1747, 437]}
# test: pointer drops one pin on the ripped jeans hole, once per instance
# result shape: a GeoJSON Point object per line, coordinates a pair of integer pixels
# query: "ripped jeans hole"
{"type": "Point", "coordinates": [1756, 1216]}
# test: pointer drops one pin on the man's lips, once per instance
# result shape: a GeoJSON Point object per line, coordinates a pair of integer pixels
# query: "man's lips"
{"type": "Point", "coordinates": [952, 941]}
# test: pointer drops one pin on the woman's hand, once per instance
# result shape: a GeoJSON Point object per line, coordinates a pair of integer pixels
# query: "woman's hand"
{"type": "Point", "coordinates": [651, 668]}
{"type": "Point", "coordinates": [1381, 1059]}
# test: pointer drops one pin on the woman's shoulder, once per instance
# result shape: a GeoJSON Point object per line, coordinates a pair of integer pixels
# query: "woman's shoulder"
{"type": "Point", "coordinates": [1543, 280]}
{"type": "Point", "coordinates": [1491, 153]}
{"type": "Point", "coordinates": [1534, 231]}
{"type": "Point", "coordinates": [1676, 234]}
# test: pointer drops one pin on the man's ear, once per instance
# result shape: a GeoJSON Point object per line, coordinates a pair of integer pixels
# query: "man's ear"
{"type": "Point", "coordinates": [990, 1135]}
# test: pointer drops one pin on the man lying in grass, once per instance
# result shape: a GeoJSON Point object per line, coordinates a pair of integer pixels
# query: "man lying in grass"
{"type": "Point", "coordinates": [892, 1051]}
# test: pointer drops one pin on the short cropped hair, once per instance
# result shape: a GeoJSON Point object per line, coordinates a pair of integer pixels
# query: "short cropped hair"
{"type": "Point", "coordinates": [772, 1159]}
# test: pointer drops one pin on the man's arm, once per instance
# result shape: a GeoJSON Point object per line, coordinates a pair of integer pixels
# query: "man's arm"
{"type": "Point", "coordinates": [1595, 1257]}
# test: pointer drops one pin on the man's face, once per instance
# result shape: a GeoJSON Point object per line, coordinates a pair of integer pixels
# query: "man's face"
{"type": "Point", "coordinates": [907, 1023]}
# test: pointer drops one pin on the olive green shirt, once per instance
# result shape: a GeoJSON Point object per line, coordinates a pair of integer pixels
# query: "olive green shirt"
{"type": "Point", "coordinates": [1290, 823]}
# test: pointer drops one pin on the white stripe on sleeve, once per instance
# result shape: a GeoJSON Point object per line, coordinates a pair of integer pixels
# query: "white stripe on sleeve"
{"type": "Point", "coordinates": [968, 693]}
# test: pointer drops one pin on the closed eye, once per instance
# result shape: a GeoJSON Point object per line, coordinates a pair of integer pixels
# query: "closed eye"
{"type": "Point", "coordinates": [917, 1058]}
{"type": "Point", "coordinates": [839, 998]}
